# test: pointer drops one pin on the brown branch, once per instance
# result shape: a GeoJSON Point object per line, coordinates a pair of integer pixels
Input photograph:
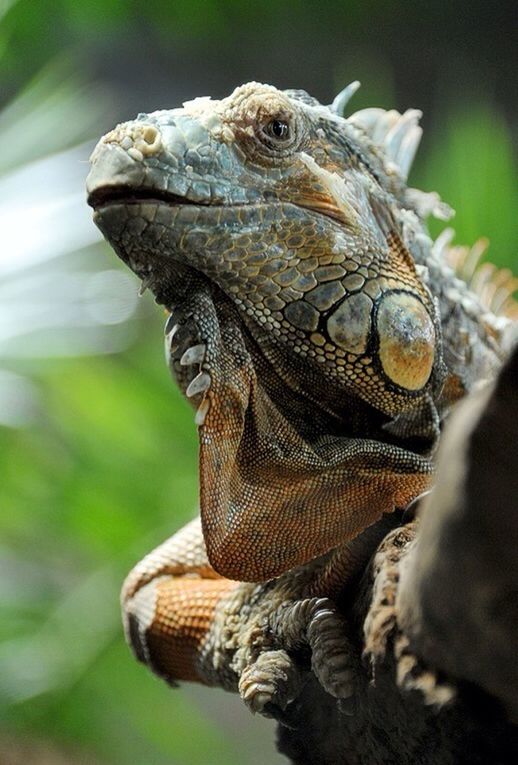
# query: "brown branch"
{"type": "Point", "coordinates": [458, 597]}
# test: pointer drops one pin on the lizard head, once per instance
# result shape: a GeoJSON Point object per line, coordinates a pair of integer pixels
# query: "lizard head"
{"type": "Point", "coordinates": [277, 233]}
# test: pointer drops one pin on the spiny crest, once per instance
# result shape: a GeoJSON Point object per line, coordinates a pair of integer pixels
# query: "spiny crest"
{"type": "Point", "coordinates": [342, 99]}
{"type": "Point", "coordinates": [397, 135]}
{"type": "Point", "coordinates": [494, 287]}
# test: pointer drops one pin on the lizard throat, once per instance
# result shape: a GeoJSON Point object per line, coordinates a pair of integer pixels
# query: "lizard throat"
{"type": "Point", "coordinates": [257, 439]}
{"type": "Point", "coordinates": [294, 451]}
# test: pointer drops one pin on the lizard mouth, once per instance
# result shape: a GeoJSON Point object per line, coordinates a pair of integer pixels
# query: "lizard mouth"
{"type": "Point", "coordinates": [113, 195]}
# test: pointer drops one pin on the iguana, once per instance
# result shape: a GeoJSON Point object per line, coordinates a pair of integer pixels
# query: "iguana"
{"type": "Point", "coordinates": [322, 338]}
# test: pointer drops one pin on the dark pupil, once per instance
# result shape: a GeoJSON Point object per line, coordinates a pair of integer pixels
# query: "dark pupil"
{"type": "Point", "coordinates": [279, 129]}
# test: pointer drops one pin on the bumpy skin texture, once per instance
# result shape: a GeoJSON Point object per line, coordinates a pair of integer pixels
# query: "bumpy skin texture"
{"type": "Point", "coordinates": [322, 338]}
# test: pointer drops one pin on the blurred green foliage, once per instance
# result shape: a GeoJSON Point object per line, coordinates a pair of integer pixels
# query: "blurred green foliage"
{"type": "Point", "coordinates": [470, 161]}
{"type": "Point", "coordinates": [107, 473]}
{"type": "Point", "coordinates": [108, 469]}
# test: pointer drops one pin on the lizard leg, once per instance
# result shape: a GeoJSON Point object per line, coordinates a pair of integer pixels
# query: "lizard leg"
{"type": "Point", "coordinates": [283, 638]}
{"type": "Point", "coordinates": [169, 601]}
{"type": "Point", "coordinates": [187, 623]}
{"type": "Point", "coordinates": [295, 625]}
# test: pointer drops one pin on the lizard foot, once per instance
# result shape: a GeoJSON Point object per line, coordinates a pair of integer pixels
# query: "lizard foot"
{"type": "Point", "coordinates": [270, 683]}
{"type": "Point", "coordinates": [331, 653]}
{"type": "Point", "coordinates": [316, 624]}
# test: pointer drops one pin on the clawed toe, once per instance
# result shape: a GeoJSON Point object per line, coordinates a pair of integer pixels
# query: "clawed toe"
{"type": "Point", "coordinates": [332, 655]}
{"type": "Point", "coordinates": [315, 623]}
{"type": "Point", "coordinates": [269, 684]}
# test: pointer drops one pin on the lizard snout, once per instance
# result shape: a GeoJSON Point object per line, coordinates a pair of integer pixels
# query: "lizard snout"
{"type": "Point", "coordinates": [138, 139]}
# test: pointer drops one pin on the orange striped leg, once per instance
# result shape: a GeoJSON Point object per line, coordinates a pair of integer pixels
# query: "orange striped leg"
{"type": "Point", "coordinates": [170, 601]}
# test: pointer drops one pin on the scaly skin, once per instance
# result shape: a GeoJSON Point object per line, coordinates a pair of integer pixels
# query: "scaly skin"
{"type": "Point", "coordinates": [322, 338]}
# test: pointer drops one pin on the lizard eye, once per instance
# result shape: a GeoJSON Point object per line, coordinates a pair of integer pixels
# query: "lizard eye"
{"type": "Point", "coordinates": [278, 129]}
{"type": "Point", "coordinates": [279, 133]}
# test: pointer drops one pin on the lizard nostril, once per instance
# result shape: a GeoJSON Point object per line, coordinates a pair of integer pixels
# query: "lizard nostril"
{"type": "Point", "coordinates": [150, 134]}
{"type": "Point", "coordinates": [148, 140]}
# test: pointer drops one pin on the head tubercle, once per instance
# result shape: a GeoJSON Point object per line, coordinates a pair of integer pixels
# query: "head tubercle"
{"type": "Point", "coordinates": [392, 137]}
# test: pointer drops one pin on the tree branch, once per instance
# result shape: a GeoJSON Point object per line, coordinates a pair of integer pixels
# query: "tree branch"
{"type": "Point", "coordinates": [458, 597]}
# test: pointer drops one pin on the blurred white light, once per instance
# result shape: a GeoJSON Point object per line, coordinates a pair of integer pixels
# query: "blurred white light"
{"type": "Point", "coordinates": [18, 400]}
{"type": "Point", "coordinates": [57, 298]}
{"type": "Point", "coordinates": [110, 296]}
{"type": "Point", "coordinates": [43, 211]}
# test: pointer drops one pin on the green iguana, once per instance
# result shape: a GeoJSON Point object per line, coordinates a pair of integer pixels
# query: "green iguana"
{"type": "Point", "coordinates": [322, 338]}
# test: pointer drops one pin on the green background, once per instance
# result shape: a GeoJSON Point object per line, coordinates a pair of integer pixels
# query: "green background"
{"type": "Point", "coordinates": [104, 468]}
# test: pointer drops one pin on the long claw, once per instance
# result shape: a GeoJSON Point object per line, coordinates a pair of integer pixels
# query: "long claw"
{"type": "Point", "coordinates": [200, 384]}
{"type": "Point", "coordinates": [194, 355]}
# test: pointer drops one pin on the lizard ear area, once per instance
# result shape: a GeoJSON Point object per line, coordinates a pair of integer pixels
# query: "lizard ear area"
{"type": "Point", "coordinates": [270, 500]}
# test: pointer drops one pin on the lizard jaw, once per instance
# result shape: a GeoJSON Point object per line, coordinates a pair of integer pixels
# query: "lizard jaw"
{"type": "Point", "coordinates": [258, 461]}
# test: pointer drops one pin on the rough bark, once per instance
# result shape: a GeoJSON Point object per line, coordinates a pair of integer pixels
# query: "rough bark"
{"type": "Point", "coordinates": [435, 616]}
